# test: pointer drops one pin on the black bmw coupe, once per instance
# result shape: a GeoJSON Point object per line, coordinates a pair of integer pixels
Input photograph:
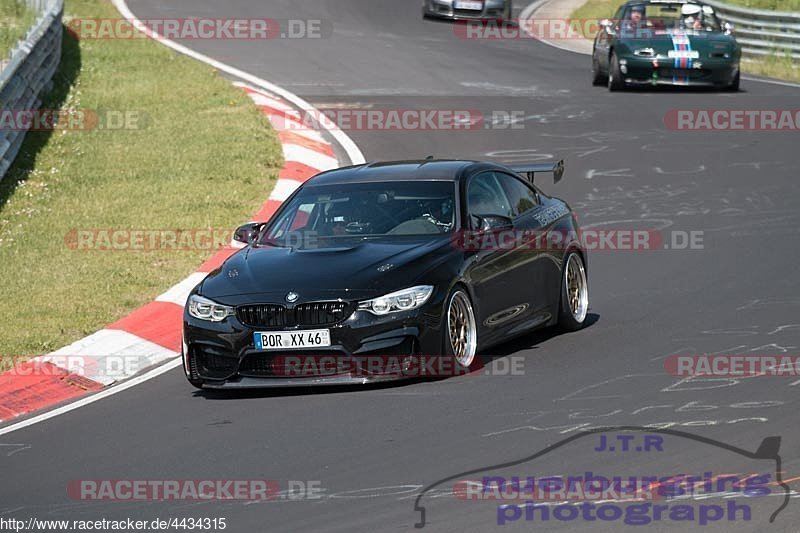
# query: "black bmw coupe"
{"type": "Point", "coordinates": [371, 272]}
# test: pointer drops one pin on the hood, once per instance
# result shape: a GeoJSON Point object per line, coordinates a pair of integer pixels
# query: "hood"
{"type": "Point", "coordinates": [349, 269]}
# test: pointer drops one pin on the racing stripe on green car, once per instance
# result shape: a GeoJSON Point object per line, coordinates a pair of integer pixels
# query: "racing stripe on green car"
{"type": "Point", "coordinates": [681, 44]}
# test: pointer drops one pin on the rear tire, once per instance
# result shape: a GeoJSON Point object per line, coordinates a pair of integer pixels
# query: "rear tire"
{"type": "Point", "coordinates": [574, 303]}
{"type": "Point", "coordinates": [615, 81]}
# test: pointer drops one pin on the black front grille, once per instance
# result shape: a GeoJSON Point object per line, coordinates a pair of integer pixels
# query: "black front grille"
{"type": "Point", "coordinates": [262, 315]}
{"type": "Point", "coordinates": [691, 73]}
{"type": "Point", "coordinates": [321, 313]}
{"type": "Point", "coordinates": [257, 365]}
{"type": "Point", "coordinates": [303, 364]}
{"type": "Point", "coordinates": [304, 315]}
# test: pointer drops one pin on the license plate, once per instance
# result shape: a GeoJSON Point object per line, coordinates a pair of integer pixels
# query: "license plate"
{"type": "Point", "coordinates": [468, 4]}
{"type": "Point", "coordinates": [283, 340]}
{"type": "Point", "coordinates": [683, 54]}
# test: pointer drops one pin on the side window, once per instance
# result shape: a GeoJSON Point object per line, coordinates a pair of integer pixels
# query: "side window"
{"type": "Point", "coordinates": [485, 196]}
{"type": "Point", "coordinates": [522, 197]}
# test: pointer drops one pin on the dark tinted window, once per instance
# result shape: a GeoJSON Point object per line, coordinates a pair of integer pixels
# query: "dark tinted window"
{"type": "Point", "coordinates": [486, 196]}
{"type": "Point", "coordinates": [521, 196]}
{"type": "Point", "coordinates": [366, 209]}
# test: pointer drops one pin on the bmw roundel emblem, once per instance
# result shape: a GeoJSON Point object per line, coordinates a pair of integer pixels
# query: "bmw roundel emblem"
{"type": "Point", "coordinates": [292, 297]}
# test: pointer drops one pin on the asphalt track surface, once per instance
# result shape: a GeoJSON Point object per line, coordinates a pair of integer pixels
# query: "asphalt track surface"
{"type": "Point", "coordinates": [373, 450]}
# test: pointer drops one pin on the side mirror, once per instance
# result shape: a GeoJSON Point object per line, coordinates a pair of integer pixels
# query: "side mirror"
{"type": "Point", "coordinates": [728, 27]}
{"type": "Point", "coordinates": [248, 233]}
{"type": "Point", "coordinates": [558, 171]}
{"type": "Point", "coordinates": [493, 222]}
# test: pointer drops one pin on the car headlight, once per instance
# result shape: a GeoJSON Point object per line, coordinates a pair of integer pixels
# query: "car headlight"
{"type": "Point", "coordinates": [397, 301]}
{"type": "Point", "coordinates": [206, 309]}
{"type": "Point", "coordinates": [646, 52]}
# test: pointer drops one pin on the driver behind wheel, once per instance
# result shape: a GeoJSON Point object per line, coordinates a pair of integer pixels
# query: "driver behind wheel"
{"type": "Point", "coordinates": [438, 211]}
{"type": "Point", "coordinates": [336, 219]}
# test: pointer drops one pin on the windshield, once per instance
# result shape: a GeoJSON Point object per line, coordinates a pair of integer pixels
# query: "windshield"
{"type": "Point", "coordinates": [665, 16]}
{"type": "Point", "coordinates": [365, 210]}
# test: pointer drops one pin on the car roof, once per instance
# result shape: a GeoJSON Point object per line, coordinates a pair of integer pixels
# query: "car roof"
{"type": "Point", "coordinates": [422, 169]}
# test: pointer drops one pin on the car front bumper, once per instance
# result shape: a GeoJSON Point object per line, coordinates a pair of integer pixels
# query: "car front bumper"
{"type": "Point", "coordinates": [492, 9]}
{"type": "Point", "coordinates": [637, 70]}
{"type": "Point", "coordinates": [365, 348]}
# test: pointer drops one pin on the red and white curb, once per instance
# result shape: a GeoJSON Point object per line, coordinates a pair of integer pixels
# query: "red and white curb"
{"type": "Point", "coordinates": [151, 335]}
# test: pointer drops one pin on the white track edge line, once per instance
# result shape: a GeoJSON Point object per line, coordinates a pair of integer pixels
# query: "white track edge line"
{"type": "Point", "coordinates": [347, 144]}
{"type": "Point", "coordinates": [104, 393]}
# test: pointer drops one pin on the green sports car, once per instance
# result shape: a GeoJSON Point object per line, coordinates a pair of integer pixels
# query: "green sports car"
{"type": "Point", "coordinates": [665, 42]}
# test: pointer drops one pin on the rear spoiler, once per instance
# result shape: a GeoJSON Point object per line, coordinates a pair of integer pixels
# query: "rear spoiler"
{"type": "Point", "coordinates": [529, 170]}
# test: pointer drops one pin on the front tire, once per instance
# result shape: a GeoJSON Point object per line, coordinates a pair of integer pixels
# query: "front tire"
{"type": "Point", "coordinates": [734, 86]}
{"type": "Point", "coordinates": [460, 332]}
{"type": "Point", "coordinates": [615, 81]}
{"type": "Point", "coordinates": [425, 14]}
{"type": "Point", "coordinates": [597, 75]}
{"type": "Point", "coordinates": [574, 293]}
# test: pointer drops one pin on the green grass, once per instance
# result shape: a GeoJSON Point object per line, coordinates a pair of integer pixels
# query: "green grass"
{"type": "Point", "coordinates": [15, 19]}
{"type": "Point", "coordinates": [204, 158]}
{"type": "Point", "coordinates": [596, 10]}
{"type": "Point", "coordinates": [777, 66]}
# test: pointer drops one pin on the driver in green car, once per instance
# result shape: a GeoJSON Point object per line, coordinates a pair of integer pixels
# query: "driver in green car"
{"type": "Point", "coordinates": [637, 14]}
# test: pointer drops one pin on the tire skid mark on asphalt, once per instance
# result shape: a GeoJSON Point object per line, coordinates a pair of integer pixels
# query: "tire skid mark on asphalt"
{"type": "Point", "coordinates": [673, 403]}
{"type": "Point", "coordinates": [151, 335]}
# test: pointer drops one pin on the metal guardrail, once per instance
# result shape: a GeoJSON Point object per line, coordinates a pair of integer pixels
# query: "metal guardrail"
{"type": "Point", "coordinates": [29, 72]}
{"type": "Point", "coordinates": [762, 32]}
